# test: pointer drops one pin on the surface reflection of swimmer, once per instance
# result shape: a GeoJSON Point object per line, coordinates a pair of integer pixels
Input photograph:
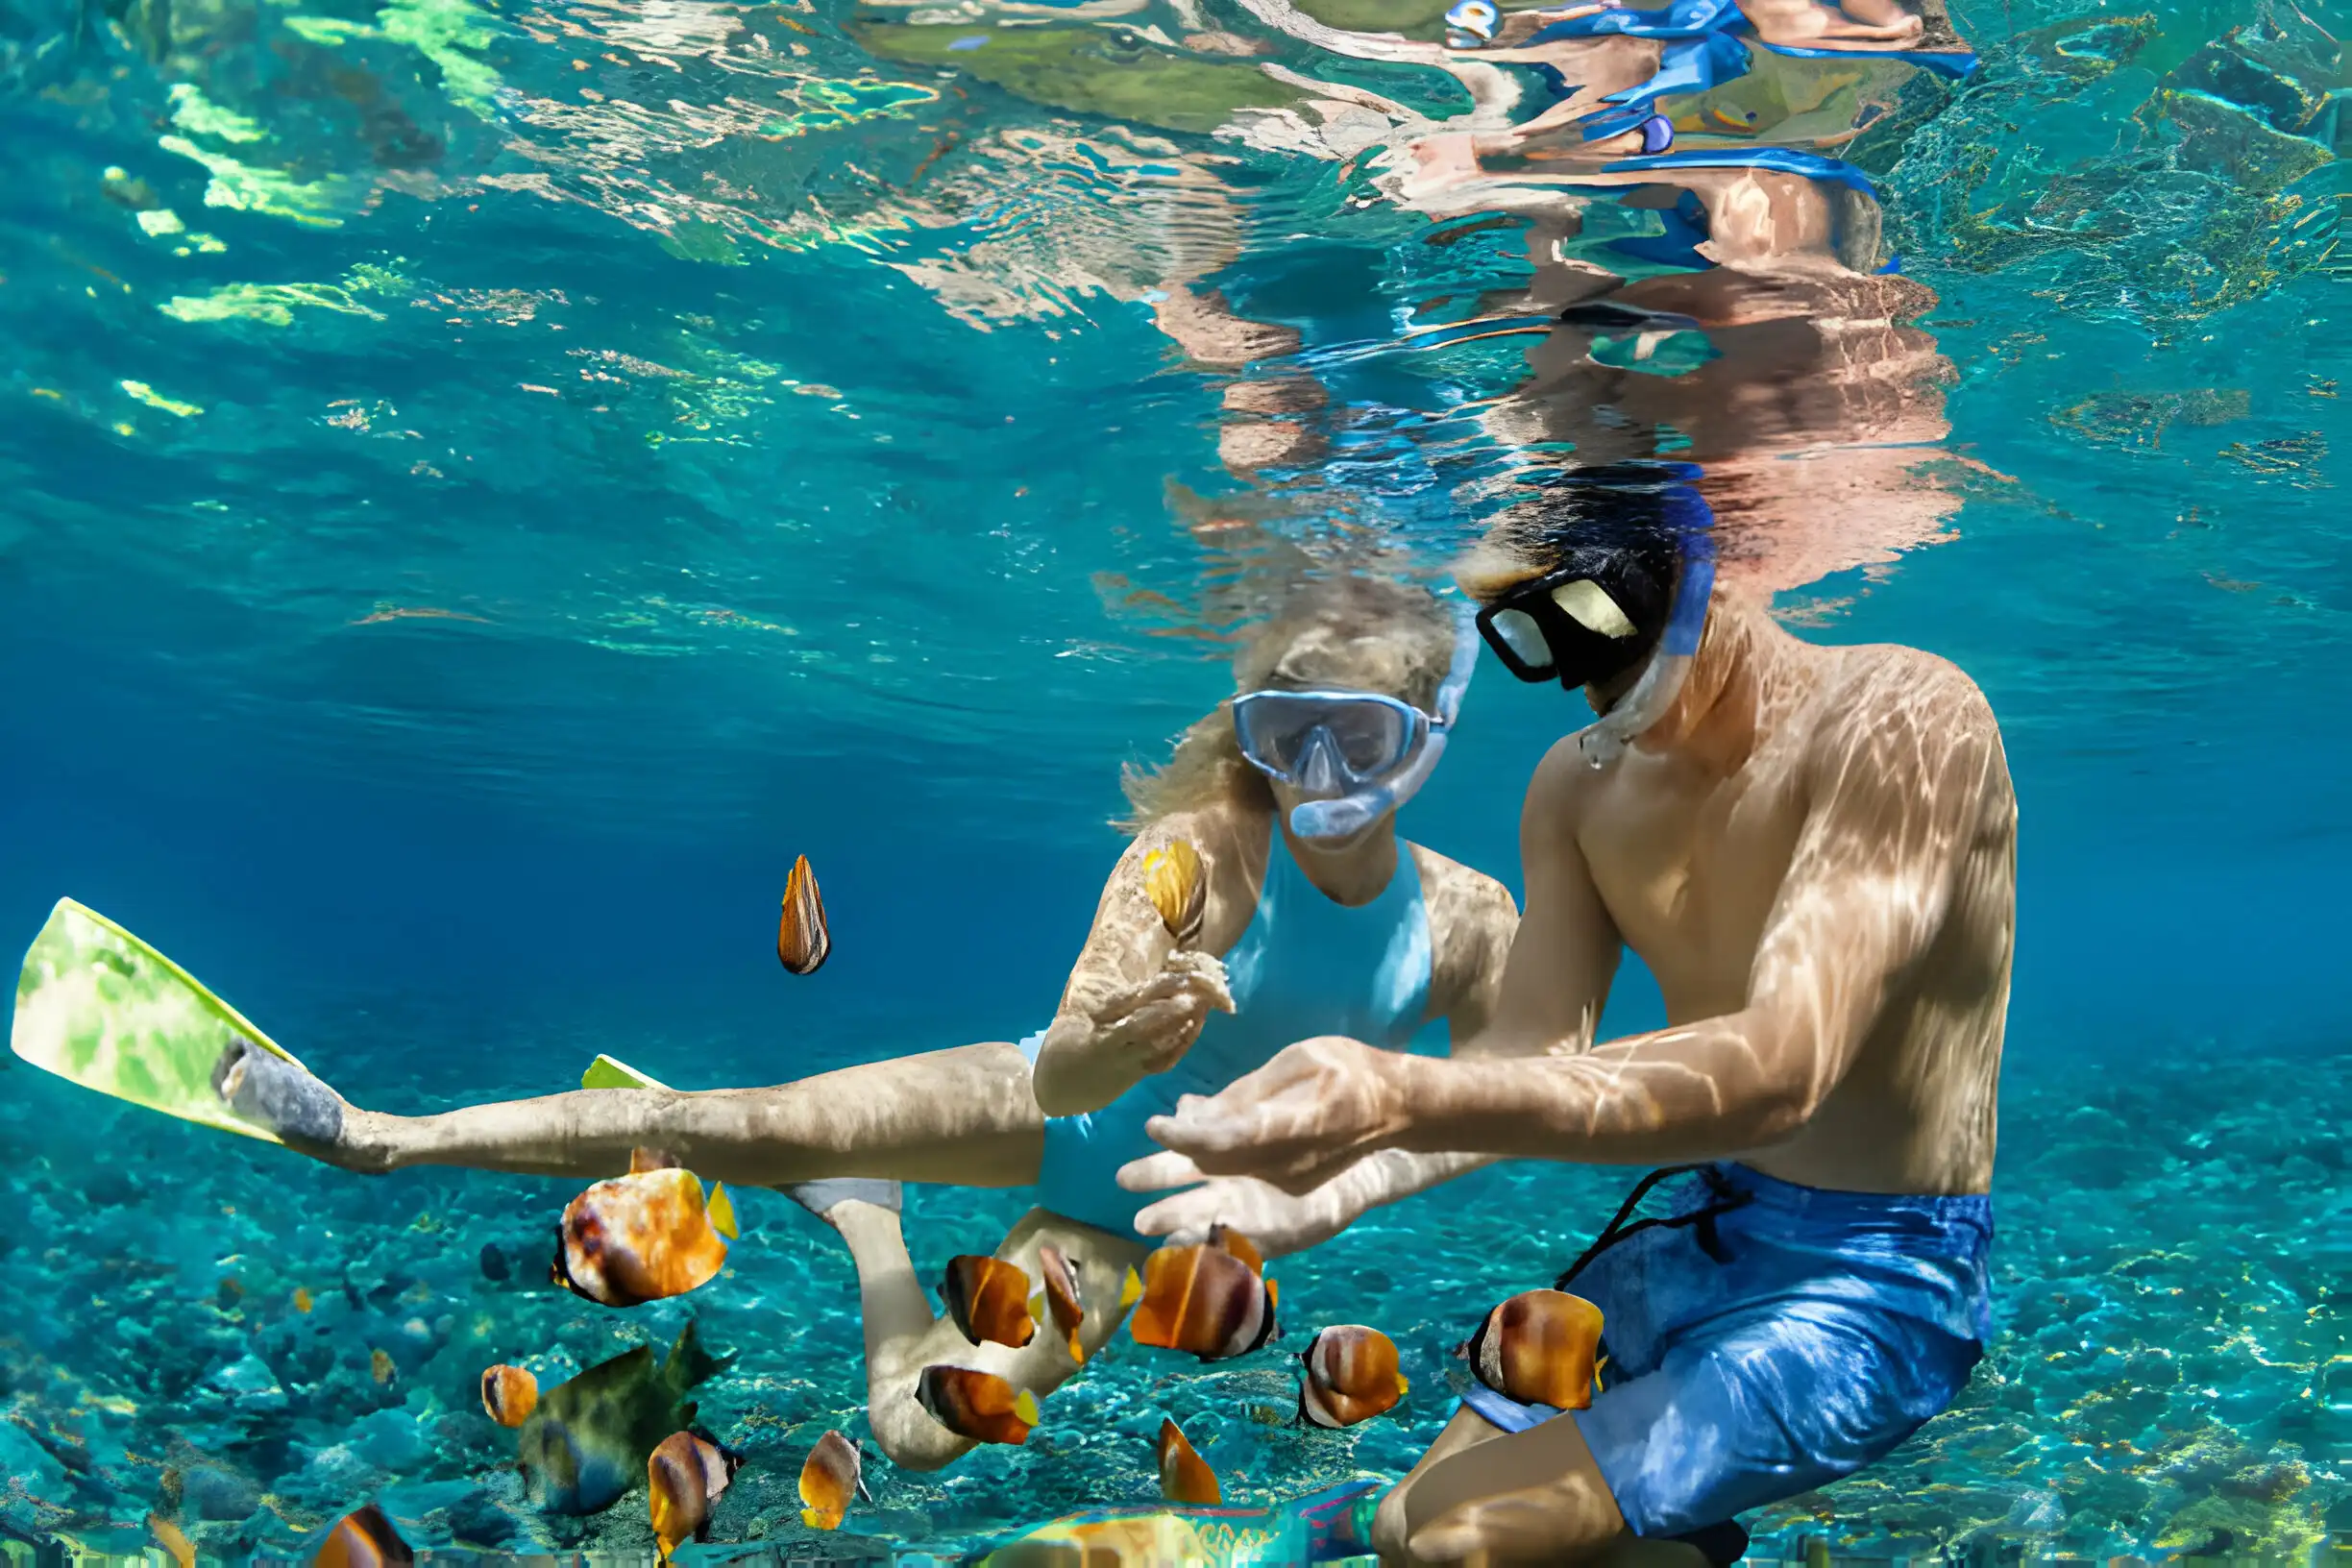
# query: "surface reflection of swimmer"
{"type": "Point", "coordinates": [1318, 915]}
{"type": "Point", "coordinates": [1813, 851]}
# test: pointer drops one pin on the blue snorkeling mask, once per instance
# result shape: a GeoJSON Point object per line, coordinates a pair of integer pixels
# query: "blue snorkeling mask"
{"type": "Point", "coordinates": [1360, 754]}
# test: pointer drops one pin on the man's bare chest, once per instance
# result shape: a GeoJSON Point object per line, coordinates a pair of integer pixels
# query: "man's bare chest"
{"type": "Point", "coordinates": [1689, 873]}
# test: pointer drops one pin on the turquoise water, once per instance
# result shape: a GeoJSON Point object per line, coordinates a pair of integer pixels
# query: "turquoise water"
{"type": "Point", "coordinates": [486, 485]}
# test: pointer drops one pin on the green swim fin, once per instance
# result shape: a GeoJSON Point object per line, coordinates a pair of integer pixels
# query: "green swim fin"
{"type": "Point", "coordinates": [99, 1007]}
{"type": "Point", "coordinates": [609, 1072]}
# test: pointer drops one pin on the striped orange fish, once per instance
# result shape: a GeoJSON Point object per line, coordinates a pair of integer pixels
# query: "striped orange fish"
{"type": "Point", "coordinates": [1351, 1376]}
{"type": "Point", "coordinates": [988, 1300]}
{"type": "Point", "coordinates": [1185, 1476]}
{"type": "Point", "coordinates": [644, 1236]}
{"type": "Point", "coordinates": [1062, 1297]}
{"type": "Point", "coordinates": [684, 1475]}
{"type": "Point", "coordinates": [509, 1394]}
{"type": "Point", "coordinates": [803, 941]}
{"type": "Point", "coordinates": [1211, 1301]}
{"type": "Point", "coordinates": [1539, 1348]}
{"type": "Point", "coordinates": [363, 1539]}
{"type": "Point", "coordinates": [976, 1404]}
{"type": "Point", "coordinates": [833, 1474]}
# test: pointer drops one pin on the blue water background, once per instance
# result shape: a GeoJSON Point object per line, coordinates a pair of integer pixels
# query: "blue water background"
{"type": "Point", "coordinates": [447, 860]}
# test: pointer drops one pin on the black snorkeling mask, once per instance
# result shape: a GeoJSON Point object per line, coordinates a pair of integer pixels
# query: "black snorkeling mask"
{"type": "Point", "coordinates": [1619, 537]}
{"type": "Point", "coordinates": [1585, 622]}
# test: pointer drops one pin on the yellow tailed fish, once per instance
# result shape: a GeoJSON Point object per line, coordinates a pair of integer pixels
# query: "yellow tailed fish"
{"type": "Point", "coordinates": [1351, 1376]}
{"type": "Point", "coordinates": [1539, 1348]}
{"type": "Point", "coordinates": [833, 1474]}
{"type": "Point", "coordinates": [644, 1236]}
{"type": "Point", "coordinates": [977, 1405]}
{"type": "Point", "coordinates": [1185, 1476]}
{"type": "Point", "coordinates": [509, 1394]}
{"type": "Point", "coordinates": [1207, 1301]}
{"type": "Point", "coordinates": [1177, 885]}
{"type": "Point", "coordinates": [684, 1475]}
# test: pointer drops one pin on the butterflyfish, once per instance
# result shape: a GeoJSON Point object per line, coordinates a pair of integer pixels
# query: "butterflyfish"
{"type": "Point", "coordinates": [684, 1475]}
{"type": "Point", "coordinates": [173, 1540]}
{"type": "Point", "coordinates": [509, 1394]}
{"type": "Point", "coordinates": [1177, 885]}
{"type": "Point", "coordinates": [988, 1300]}
{"type": "Point", "coordinates": [1209, 1300]}
{"type": "Point", "coordinates": [644, 1236]}
{"type": "Point", "coordinates": [1351, 1376]}
{"type": "Point", "coordinates": [363, 1539]}
{"type": "Point", "coordinates": [586, 1447]}
{"type": "Point", "coordinates": [833, 1474]}
{"type": "Point", "coordinates": [1185, 1476]}
{"type": "Point", "coordinates": [1061, 1297]}
{"type": "Point", "coordinates": [976, 1404]}
{"type": "Point", "coordinates": [1539, 1348]}
{"type": "Point", "coordinates": [803, 941]}
{"type": "Point", "coordinates": [1225, 1238]}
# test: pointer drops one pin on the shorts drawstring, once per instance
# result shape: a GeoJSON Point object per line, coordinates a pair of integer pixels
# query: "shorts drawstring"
{"type": "Point", "coordinates": [1726, 1197]}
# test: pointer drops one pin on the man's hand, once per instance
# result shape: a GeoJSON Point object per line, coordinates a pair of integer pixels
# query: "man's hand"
{"type": "Point", "coordinates": [1314, 1110]}
{"type": "Point", "coordinates": [1145, 1028]}
{"type": "Point", "coordinates": [1278, 1222]}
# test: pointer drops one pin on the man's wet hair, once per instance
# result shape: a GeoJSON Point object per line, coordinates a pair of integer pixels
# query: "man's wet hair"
{"type": "Point", "coordinates": [1623, 524]}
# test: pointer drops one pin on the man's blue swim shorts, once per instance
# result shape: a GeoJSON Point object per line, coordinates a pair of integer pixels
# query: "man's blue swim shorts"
{"type": "Point", "coordinates": [1770, 1338]}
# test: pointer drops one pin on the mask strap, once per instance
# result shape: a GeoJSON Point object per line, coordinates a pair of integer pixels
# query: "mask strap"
{"type": "Point", "coordinates": [1606, 739]}
{"type": "Point", "coordinates": [1467, 645]}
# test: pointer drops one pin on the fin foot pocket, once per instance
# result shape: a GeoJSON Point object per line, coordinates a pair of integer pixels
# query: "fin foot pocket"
{"type": "Point", "coordinates": [271, 1091]}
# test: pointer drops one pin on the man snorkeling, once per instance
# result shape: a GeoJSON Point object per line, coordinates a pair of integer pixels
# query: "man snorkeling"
{"type": "Point", "coordinates": [1316, 918]}
{"type": "Point", "coordinates": [1813, 849]}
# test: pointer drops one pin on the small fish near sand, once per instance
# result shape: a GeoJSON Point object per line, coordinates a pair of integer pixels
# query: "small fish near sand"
{"type": "Point", "coordinates": [1211, 1301]}
{"type": "Point", "coordinates": [1177, 883]}
{"type": "Point", "coordinates": [363, 1539]}
{"type": "Point", "coordinates": [586, 1444]}
{"type": "Point", "coordinates": [1351, 1376]}
{"type": "Point", "coordinates": [644, 1236]}
{"type": "Point", "coordinates": [684, 1475]}
{"type": "Point", "coordinates": [833, 1474]}
{"type": "Point", "coordinates": [803, 940]}
{"type": "Point", "coordinates": [1539, 1348]}
{"type": "Point", "coordinates": [1061, 1298]}
{"type": "Point", "coordinates": [509, 1394]}
{"type": "Point", "coordinates": [977, 1405]}
{"type": "Point", "coordinates": [1185, 1476]}
{"type": "Point", "coordinates": [988, 1300]}
{"type": "Point", "coordinates": [173, 1540]}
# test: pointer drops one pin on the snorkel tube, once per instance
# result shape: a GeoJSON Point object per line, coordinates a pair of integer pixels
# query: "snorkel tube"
{"type": "Point", "coordinates": [1345, 816]}
{"type": "Point", "coordinates": [1604, 740]}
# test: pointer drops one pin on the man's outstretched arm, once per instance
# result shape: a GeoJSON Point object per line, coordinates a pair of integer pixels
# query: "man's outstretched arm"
{"type": "Point", "coordinates": [1502, 1001]}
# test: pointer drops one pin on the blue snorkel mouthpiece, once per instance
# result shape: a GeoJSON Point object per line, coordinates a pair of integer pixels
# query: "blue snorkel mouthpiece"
{"type": "Point", "coordinates": [1343, 816]}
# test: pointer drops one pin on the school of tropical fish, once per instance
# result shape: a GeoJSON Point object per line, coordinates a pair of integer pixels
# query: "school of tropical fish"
{"type": "Point", "coordinates": [653, 1232]}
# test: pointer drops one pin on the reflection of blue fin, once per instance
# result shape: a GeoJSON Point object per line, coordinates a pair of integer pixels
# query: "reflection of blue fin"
{"type": "Point", "coordinates": [1684, 67]}
{"type": "Point", "coordinates": [1680, 19]}
{"type": "Point", "coordinates": [1784, 160]}
{"type": "Point", "coordinates": [1944, 63]}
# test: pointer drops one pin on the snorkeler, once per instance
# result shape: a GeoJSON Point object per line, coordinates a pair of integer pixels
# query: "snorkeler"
{"type": "Point", "coordinates": [1813, 849]}
{"type": "Point", "coordinates": [1318, 918]}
